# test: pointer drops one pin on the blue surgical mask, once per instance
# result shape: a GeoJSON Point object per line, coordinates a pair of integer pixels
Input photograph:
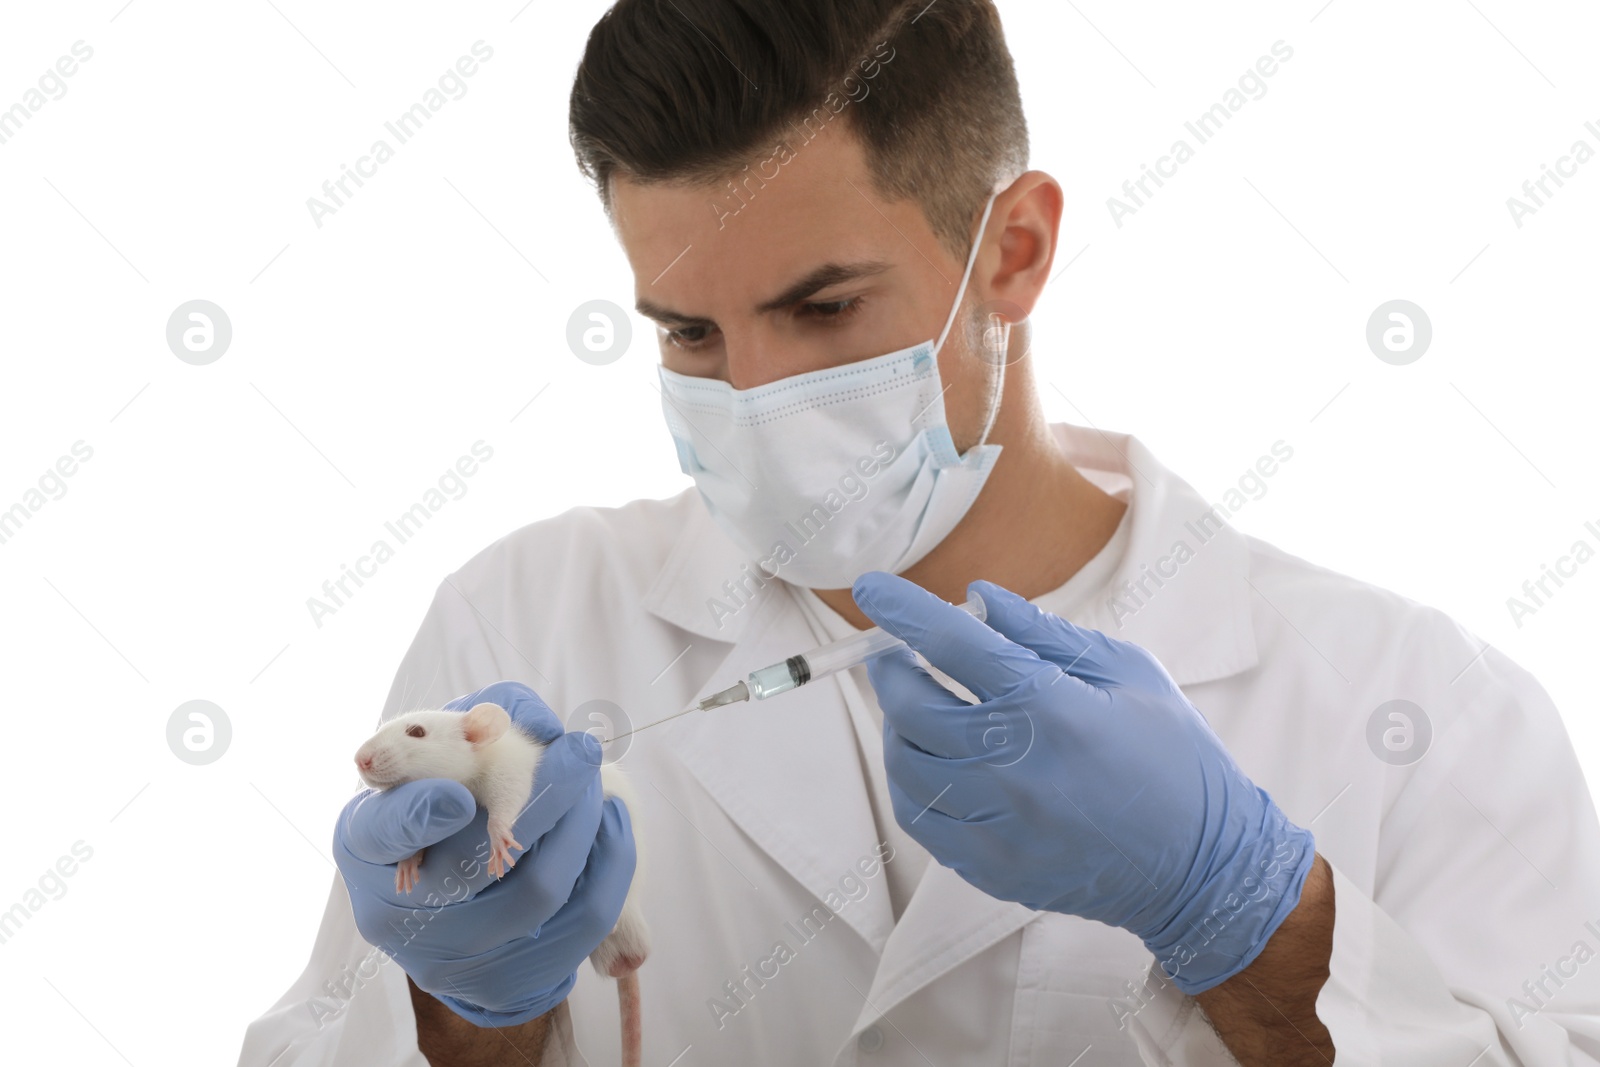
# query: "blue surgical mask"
{"type": "Point", "coordinates": [822, 476]}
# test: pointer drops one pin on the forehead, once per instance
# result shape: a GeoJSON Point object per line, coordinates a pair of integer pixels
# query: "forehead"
{"type": "Point", "coordinates": [693, 245]}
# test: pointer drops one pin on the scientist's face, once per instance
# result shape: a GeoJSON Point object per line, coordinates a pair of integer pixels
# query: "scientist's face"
{"type": "Point", "coordinates": [812, 271]}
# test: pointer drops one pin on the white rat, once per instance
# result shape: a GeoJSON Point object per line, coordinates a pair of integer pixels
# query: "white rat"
{"type": "Point", "coordinates": [484, 751]}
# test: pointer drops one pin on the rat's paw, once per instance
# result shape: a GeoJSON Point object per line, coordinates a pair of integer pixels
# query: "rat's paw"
{"type": "Point", "coordinates": [500, 845]}
{"type": "Point", "coordinates": [405, 872]}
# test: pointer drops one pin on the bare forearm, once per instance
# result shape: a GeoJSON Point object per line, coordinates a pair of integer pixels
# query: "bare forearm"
{"type": "Point", "coordinates": [1266, 1014]}
{"type": "Point", "coordinates": [448, 1040]}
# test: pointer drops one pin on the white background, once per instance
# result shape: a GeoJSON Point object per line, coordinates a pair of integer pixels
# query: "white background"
{"type": "Point", "coordinates": [431, 310]}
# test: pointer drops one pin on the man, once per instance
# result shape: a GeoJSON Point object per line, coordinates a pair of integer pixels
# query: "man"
{"type": "Point", "coordinates": [1165, 835]}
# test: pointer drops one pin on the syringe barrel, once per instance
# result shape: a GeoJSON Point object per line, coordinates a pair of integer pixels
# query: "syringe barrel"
{"type": "Point", "coordinates": [778, 678]}
{"type": "Point", "coordinates": [844, 653]}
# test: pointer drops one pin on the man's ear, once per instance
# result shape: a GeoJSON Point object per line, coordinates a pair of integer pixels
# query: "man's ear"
{"type": "Point", "coordinates": [486, 723]}
{"type": "Point", "coordinates": [1026, 221]}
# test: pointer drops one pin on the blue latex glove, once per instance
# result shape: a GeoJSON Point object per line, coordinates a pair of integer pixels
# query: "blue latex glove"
{"type": "Point", "coordinates": [1084, 783]}
{"type": "Point", "coordinates": [497, 951]}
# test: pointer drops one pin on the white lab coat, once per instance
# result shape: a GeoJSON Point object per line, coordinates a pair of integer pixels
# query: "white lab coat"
{"type": "Point", "coordinates": [1457, 879]}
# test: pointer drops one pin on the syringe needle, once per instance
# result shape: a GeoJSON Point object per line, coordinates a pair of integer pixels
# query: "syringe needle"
{"type": "Point", "coordinates": [647, 725]}
{"type": "Point", "coordinates": [734, 693]}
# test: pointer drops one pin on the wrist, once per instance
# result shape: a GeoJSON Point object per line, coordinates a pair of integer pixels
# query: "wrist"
{"type": "Point", "coordinates": [513, 1015]}
{"type": "Point", "coordinates": [445, 1039]}
{"type": "Point", "coordinates": [1237, 907]}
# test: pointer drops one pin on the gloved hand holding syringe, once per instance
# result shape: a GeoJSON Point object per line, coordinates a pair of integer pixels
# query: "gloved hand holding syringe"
{"type": "Point", "coordinates": [796, 671]}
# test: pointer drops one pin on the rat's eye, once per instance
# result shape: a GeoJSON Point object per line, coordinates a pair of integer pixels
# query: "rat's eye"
{"type": "Point", "coordinates": [416, 731]}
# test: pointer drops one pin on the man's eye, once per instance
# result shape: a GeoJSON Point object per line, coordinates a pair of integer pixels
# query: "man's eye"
{"type": "Point", "coordinates": [832, 310]}
{"type": "Point", "coordinates": [687, 337]}
{"type": "Point", "coordinates": [825, 313]}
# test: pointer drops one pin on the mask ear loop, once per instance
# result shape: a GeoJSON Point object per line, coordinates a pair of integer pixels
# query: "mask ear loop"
{"type": "Point", "coordinates": [1003, 330]}
{"type": "Point", "coordinates": [972, 257]}
{"type": "Point", "coordinates": [998, 334]}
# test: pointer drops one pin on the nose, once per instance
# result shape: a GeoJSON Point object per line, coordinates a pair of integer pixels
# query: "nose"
{"type": "Point", "coordinates": [752, 359]}
{"type": "Point", "coordinates": [364, 762]}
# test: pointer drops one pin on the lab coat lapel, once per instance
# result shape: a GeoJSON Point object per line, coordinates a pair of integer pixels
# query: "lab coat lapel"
{"type": "Point", "coordinates": [945, 922]}
{"type": "Point", "coordinates": [786, 771]}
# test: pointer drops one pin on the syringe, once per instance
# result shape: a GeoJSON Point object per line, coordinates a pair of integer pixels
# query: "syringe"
{"type": "Point", "coordinates": [820, 662]}
{"type": "Point", "coordinates": [807, 667]}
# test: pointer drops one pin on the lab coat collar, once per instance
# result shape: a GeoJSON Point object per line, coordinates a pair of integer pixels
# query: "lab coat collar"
{"type": "Point", "coordinates": [1182, 588]}
{"type": "Point", "coordinates": [779, 773]}
{"type": "Point", "coordinates": [705, 585]}
{"type": "Point", "coordinates": [1190, 606]}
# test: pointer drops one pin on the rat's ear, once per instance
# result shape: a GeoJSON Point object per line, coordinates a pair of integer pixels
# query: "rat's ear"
{"type": "Point", "coordinates": [486, 722]}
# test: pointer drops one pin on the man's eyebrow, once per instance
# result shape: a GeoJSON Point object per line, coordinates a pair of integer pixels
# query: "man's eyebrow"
{"type": "Point", "coordinates": [651, 310]}
{"type": "Point", "coordinates": [824, 276]}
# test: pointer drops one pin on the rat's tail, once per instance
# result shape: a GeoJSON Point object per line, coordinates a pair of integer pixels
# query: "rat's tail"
{"type": "Point", "coordinates": [632, 1026]}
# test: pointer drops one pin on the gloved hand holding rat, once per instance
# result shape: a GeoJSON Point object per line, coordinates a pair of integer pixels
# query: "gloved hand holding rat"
{"type": "Point", "coordinates": [1084, 782]}
{"type": "Point", "coordinates": [416, 852]}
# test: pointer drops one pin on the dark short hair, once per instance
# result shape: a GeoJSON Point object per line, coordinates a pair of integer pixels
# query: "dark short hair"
{"type": "Point", "coordinates": [691, 92]}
